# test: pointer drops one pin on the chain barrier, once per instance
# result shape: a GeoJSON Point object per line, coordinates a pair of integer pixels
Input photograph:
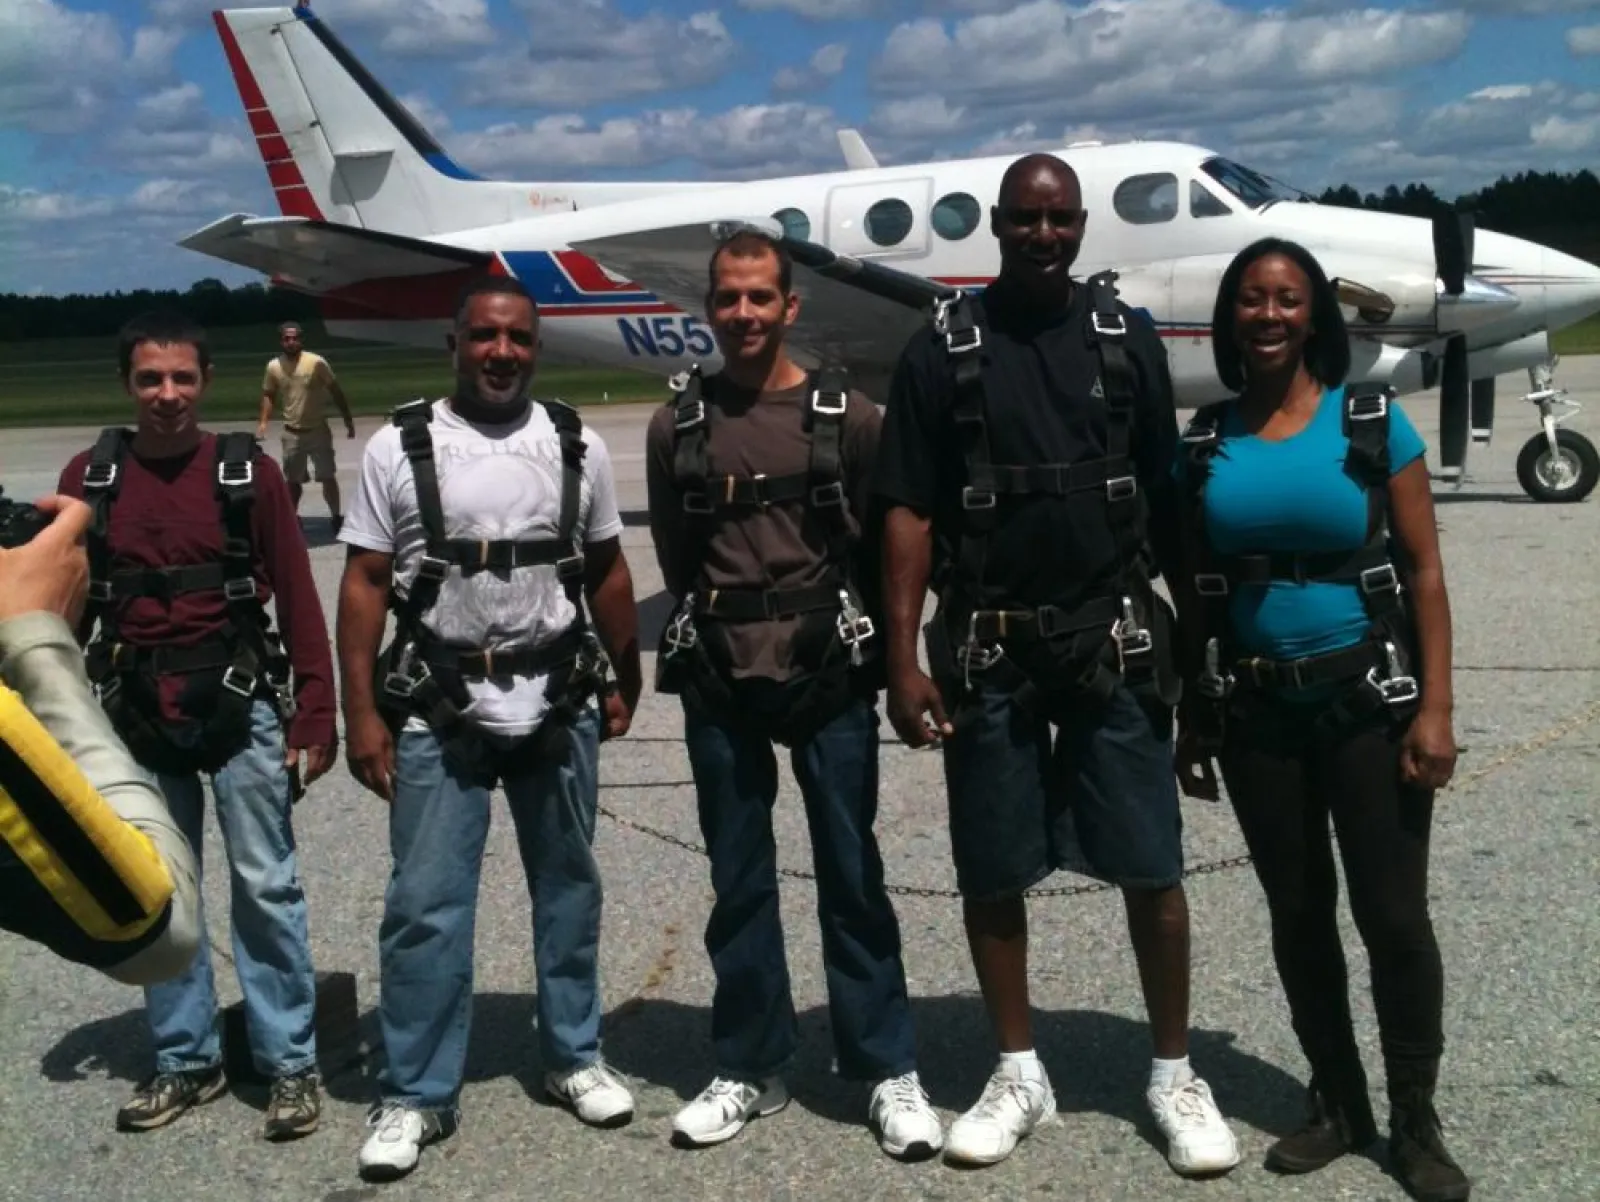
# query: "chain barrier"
{"type": "Point", "coordinates": [1520, 750]}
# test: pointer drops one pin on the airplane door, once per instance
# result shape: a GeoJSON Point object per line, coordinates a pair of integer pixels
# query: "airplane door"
{"type": "Point", "coordinates": [886, 220]}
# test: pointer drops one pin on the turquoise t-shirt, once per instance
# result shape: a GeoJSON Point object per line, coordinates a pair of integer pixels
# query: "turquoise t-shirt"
{"type": "Point", "coordinates": [1295, 496]}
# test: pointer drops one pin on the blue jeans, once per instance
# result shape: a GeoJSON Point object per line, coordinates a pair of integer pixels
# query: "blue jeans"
{"type": "Point", "coordinates": [271, 943]}
{"type": "Point", "coordinates": [753, 1025]}
{"type": "Point", "coordinates": [438, 824]}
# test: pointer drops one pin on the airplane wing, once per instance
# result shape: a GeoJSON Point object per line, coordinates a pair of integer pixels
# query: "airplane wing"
{"type": "Point", "coordinates": [850, 308]}
{"type": "Point", "coordinates": [319, 256]}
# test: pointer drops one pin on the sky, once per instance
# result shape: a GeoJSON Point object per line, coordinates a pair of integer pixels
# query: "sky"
{"type": "Point", "coordinates": [121, 131]}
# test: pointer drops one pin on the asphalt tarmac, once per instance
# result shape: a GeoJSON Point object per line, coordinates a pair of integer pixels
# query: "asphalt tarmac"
{"type": "Point", "coordinates": [1514, 874]}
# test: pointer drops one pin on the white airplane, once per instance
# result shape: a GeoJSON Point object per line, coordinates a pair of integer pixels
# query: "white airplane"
{"type": "Point", "coordinates": [378, 222]}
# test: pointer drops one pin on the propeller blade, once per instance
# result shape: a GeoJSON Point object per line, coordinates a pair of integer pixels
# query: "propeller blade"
{"type": "Point", "coordinates": [1483, 410]}
{"type": "Point", "coordinates": [1452, 249]}
{"type": "Point", "coordinates": [1454, 409]}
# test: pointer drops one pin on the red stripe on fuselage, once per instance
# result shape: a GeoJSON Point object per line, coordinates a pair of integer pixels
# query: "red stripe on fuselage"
{"type": "Point", "coordinates": [587, 275]}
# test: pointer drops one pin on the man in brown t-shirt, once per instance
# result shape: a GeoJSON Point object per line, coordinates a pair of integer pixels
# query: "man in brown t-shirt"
{"type": "Point", "coordinates": [760, 485]}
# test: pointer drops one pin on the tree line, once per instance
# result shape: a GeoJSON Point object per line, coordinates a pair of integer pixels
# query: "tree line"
{"type": "Point", "coordinates": [1558, 210]}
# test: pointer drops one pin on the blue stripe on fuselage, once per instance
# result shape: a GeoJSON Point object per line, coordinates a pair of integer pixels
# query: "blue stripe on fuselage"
{"type": "Point", "coordinates": [542, 276]}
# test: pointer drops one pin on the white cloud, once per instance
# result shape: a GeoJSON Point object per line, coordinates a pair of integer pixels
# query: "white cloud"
{"type": "Point", "coordinates": [58, 66]}
{"type": "Point", "coordinates": [819, 10]}
{"type": "Point", "coordinates": [1584, 39]}
{"type": "Point", "coordinates": [403, 28]}
{"type": "Point", "coordinates": [584, 52]}
{"type": "Point", "coordinates": [819, 71]}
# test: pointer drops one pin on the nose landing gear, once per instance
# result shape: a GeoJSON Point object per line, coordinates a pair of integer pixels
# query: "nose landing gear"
{"type": "Point", "coordinates": [1555, 465]}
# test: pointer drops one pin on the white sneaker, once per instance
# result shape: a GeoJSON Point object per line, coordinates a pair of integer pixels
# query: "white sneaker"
{"type": "Point", "coordinates": [907, 1126]}
{"type": "Point", "coordinates": [1012, 1105]}
{"type": "Point", "coordinates": [594, 1093]}
{"type": "Point", "coordinates": [400, 1133]}
{"type": "Point", "coordinates": [725, 1106]}
{"type": "Point", "coordinates": [1198, 1139]}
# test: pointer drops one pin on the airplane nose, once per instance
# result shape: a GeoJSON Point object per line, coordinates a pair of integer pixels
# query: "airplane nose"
{"type": "Point", "coordinates": [1571, 288]}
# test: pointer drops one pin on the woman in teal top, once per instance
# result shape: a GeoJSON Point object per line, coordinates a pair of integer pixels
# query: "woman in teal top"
{"type": "Point", "coordinates": [1318, 636]}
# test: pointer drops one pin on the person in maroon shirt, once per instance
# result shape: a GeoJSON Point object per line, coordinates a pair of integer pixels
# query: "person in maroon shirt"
{"type": "Point", "coordinates": [166, 514]}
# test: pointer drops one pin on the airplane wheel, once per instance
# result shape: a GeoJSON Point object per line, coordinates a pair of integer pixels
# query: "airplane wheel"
{"type": "Point", "coordinates": [1569, 478]}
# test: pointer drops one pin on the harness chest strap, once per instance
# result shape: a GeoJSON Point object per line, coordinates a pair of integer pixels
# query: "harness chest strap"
{"type": "Point", "coordinates": [242, 648]}
{"type": "Point", "coordinates": [1370, 568]}
{"type": "Point", "coordinates": [986, 481]}
{"type": "Point", "coordinates": [820, 488]}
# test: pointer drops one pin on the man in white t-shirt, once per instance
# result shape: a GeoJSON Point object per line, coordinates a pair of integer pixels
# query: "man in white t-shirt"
{"type": "Point", "coordinates": [491, 679]}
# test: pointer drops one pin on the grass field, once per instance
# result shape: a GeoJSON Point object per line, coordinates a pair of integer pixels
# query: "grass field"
{"type": "Point", "coordinates": [73, 381]}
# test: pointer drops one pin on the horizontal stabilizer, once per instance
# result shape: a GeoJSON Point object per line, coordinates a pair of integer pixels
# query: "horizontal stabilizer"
{"type": "Point", "coordinates": [320, 256]}
{"type": "Point", "coordinates": [849, 307]}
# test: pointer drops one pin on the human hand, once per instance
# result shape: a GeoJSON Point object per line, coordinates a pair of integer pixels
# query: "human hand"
{"type": "Point", "coordinates": [1197, 774]}
{"type": "Point", "coordinates": [318, 761]}
{"type": "Point", "coordinates": [1428, 752]}
{"type": "Point", "coordinates": [913, 698]}
{"type": "Point", "coordinates": [51, 571]}
{"type": "Point", "coordinates": [616, 714]}
{"type": "Point", "coordinates": [369, 753]}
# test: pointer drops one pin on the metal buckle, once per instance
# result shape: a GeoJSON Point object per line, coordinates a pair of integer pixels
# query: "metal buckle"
{"type": "Point", "coordinates": [961, 342]}
{"type": "Point", "coordinates": [99, 475]}
{"type": "Point", "coordinates": [108, 687]}
{"type": "Point", "coordinates": [828, 494]}
{"type": "Point", "coordinates": [696, 415]}
{"type": "Point", "coordinates": [758, 490]}
{"type": "Point", "coordinates": [242, 683]}
{"type": "Point", "coordinates": [402, 684]}
{"type": "Point", "coordinates": [1387, 580]}
{"type": "Point", "coordinates": [432, 567]}
{"type": "Point", "coordinates": [1397, 688]}
{"type": "Point", "coordinates": [680, 634]}
{"type": "Point", "coordinates": [975, 657]}
{"type": "Point", "coordinates": [1132, 639]}
{"type": "Point", "coordinates": [1211, 682]}
{"type": "Point", "coordinates": [1211, 584]}
{"type": "Point", "coordinates": [829, 410]}
{"type": "Point", "coordinates": [1198, 435]}
{"type": "Point", "coordinates": [239, 588]}
{"type": "Point", "coordinates": [697, 502]}
{"type": "Point", "coordinates": [100, 590]}
{"type": "Point", "coordinates": [1120, 488]}
{"type": "Point", "coordinates": [1368, 406]}
{"type": "Point", "coordinates": [569, 565]}
{"type": "Point", "coordinates": [245, 472]}
{"type": "Point", "coordinates": [1102, 327]}
{"type": "Point", "coordinates": [854, 627]}
{"type": "Point", "coordinates": [974, 498]}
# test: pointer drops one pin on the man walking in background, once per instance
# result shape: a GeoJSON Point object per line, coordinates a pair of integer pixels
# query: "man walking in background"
{"type": "Point", "coordinates": [302, 382]}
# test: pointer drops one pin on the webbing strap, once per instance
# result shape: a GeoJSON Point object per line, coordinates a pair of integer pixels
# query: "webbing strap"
{"type": "Point", "coordinates": [1124, 505]}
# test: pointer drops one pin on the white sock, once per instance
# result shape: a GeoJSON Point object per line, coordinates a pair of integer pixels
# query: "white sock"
{"type": "Point", "coordinates": [1168, 1074]}
{"type": "Point", "coordinates": [1029, 1067]}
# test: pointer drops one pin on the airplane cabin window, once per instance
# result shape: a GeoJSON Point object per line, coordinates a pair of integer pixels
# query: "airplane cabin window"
{"type": "Point", "coordinates": [955, 216]}
{"type": "Point", "coordinates": [795, 224]}
{"type": "Point", "coordinates": [1203, 204]}
{"type": "Point", "coordinates": [1147, 199]}
{"type": "Point", "coordinates": [888, 221]}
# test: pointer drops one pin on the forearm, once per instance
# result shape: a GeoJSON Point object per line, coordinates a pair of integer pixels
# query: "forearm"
{"type": "Point", "coordinates": [363, 613]}
{"type": "Point", "coordinates": [616, 622]}
{"type": "Point", "coordinates": [907, 560]}
{"type": "Point", "coordinates": [265, 415]}
{"type": "Point", "coordinates": [1432, 611]}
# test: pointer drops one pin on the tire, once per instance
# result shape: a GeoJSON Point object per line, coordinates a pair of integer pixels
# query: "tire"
{"type": "Point", "coordinates": [1533, 463]}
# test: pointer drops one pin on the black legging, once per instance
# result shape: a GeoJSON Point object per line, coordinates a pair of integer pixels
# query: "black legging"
{"type": "Point", "coordinates": [1283, 788]}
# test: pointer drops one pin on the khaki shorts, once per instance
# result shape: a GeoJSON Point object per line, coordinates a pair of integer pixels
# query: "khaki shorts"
{"type": "Point", "coordinates": [315, 445]}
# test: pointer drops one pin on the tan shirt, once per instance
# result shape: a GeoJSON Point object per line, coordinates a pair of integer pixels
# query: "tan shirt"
{"type": "Point", "coordinates": [301, 392]}
{"type": "Point", "coordinates": [778, 547]}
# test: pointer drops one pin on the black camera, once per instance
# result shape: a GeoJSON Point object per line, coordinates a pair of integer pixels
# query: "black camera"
{"type": "Point", "coordinates": [20, 522]}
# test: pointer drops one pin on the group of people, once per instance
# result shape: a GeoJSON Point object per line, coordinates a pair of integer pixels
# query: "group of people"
{"type": "Point", "coordinates": [1028, 468]}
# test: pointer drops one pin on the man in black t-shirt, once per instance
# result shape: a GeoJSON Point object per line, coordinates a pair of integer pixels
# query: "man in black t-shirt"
{"type": "Point", "coordinates": [1029, 474]}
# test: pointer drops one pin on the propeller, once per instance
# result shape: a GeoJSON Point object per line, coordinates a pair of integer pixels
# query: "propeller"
{"type": "Point", "coordinates": [1483, 410]}
{"type": "Point", "coordinates": [1452, 256]}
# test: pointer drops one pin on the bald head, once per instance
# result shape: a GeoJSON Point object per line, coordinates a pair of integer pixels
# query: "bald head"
{"type": "Point", "coordinates": [1046, 169]}
{"type": "Point", "coordinates": [1038, 222]}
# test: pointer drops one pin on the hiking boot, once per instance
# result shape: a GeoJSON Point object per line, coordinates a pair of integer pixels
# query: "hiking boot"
{"type": "Point", "coordinates": [1416, 1142]}
{"type": "Point", "coordinates": [295, 1106]}
{"type": "Point", "coordinates": [165, 1096]}
{"type": "Point", "coordinates": [1334, 1126]}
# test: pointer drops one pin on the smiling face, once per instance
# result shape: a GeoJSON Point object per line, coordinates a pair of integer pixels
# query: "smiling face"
{"type": "Point", "coordinates": [1272, 315]}
{"type": "Point", "coordinates": [167, 381]}
{"type": "Point", "coordinates": [747, 307]}
{"type": "Point", "coordinates": [495, 348]}
{"type": "Point", "coordinates": [1039, 224]}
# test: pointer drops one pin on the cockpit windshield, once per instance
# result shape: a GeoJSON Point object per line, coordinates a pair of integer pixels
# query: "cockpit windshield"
{"type": "Point", "coordinates": [1254, 189]}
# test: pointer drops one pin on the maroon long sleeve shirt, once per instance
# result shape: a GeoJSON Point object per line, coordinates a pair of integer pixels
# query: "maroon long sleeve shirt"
{"type": "Point", "coordinates": [167, 515]}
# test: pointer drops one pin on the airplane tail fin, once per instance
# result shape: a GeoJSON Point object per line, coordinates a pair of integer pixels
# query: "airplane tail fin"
{"type": "Point", "coordinates": [337, 146]}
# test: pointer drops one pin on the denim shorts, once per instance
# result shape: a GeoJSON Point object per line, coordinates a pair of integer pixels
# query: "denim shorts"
{"type": "Point", "coordinates": [1099, 795]}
